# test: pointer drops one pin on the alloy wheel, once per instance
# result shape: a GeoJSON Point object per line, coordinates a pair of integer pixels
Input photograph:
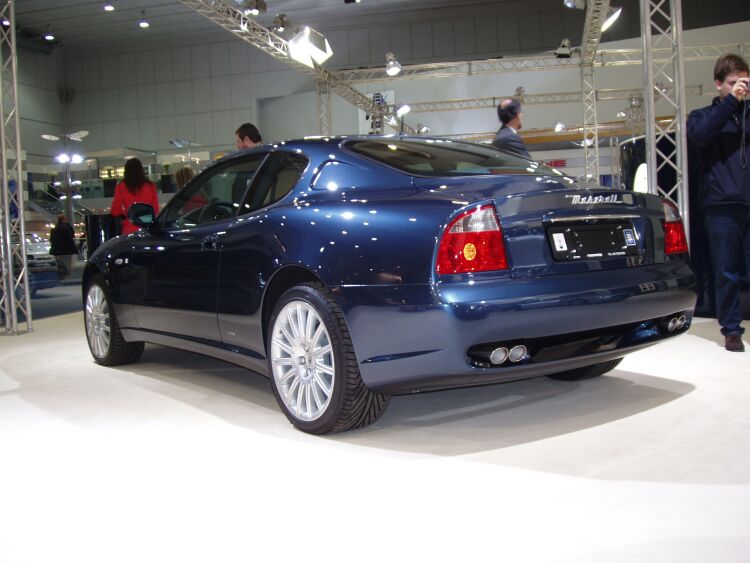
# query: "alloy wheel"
{"type": "Point", "coordinates": [302, 360]}
{"type": "Point", "coordinates": [98, 328]}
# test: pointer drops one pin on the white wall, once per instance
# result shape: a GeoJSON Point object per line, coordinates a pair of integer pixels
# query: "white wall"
{"type": "Point", "coordinates": [39, 77]}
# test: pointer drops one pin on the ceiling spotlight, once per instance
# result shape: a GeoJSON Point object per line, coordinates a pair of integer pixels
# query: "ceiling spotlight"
{"type": "Point", "coordinates": [575, 4]}
{"type": "Point", "coordinates": [109, 8]}
{"type": "Point", "coordinates": [352, 1]}
{"type": "Point", "coordinates": [621, 114]}
{"type": "Point", "coordinates": [48, 36]}
{"type": "Point", "coordinates": [392, 66]}
{"type": "Point", "coordinates": [6, 22]}
{"type": "Point", "coordinates": [402, 109]}
{"type": "Point", "coordinates": [280, 22]}
{"type": "Point", "coordinates": [559, 126]}
{"type": "Point", "coordinates": [612, 16]}
{"type": "Point", "coordinates": [422, 129]}
{"type": "Point", "coordinates": [49, 137]}
{"type": "Point", "coordinates": [563, 51]}
{"type": "Point", "coordinates": [309, 47]}
{"type": "Point", "coordinates": [77, 135]}
{"type": "Point", "coordinates": [144, 22]}
{"type": "Point", "coordinates": [252, 7]}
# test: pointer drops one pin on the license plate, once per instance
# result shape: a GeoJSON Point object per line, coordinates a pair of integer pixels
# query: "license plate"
{"type": "Point", "coordinates": [592, 242]}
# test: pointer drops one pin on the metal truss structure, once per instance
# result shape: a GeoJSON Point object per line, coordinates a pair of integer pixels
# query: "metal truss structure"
{"type": "Point", "coordinates": [247, 29]}
{"type": "Point", "coordinates": [323, 105]}
{"type": "Point", "coordinates": [666, 144]}
{"type": "Point", "coordinates": [15, 300]}
{"type": "Point", "coordinates": [596, 12]}
{"type": "Point", "coordinates": [606, 58]}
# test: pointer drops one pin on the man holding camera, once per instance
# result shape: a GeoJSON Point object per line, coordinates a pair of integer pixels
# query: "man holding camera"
{"type": "Point", "coordinates": [721, 131]}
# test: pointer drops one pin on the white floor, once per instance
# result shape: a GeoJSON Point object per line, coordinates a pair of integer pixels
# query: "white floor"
{"type": "Point", "coordinates": [181, 458]}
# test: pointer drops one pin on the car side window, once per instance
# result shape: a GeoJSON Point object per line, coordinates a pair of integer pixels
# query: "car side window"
{"type": "Point", "coordinates": [279, 174]}
{"type": "Point", "coordinates": [213, 196]}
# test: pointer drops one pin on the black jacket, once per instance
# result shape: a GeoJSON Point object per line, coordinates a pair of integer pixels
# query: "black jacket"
{"type": "Point", "coordinates": [507, 140]}
{"type": "Point", "coordinates": [716, 131]}
{"type": "Point", "coordinates": [62, 240]}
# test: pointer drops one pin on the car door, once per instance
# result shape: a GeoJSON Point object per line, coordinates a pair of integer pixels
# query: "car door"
{"type": "Point", "coordinates": [250, 249]}
{"type": "Point", "coordinates": [181, 262]}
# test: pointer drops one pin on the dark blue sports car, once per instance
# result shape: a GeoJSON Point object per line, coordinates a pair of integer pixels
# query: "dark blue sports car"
{"type": "Point", "coordinates": [350, 269]}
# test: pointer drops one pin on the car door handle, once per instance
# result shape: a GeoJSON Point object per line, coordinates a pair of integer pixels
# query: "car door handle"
{"type": "Point", "coordinates": [211, 243]}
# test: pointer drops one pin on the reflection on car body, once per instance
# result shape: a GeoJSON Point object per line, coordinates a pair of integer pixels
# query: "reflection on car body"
{"type": "Point", "coordinates": [349, 269]}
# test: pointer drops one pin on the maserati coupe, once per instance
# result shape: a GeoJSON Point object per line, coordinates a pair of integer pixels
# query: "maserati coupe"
{"type": "Point", "coordinates": [350, 269]}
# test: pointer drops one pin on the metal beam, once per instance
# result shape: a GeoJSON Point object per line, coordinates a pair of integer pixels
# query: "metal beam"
{"type": "Point", "coordinates": [606, 57]}
{"type": "Point", "coordinates": [596, 13]}
{"type": "Point", "coordinates": [247, 29]}
{"type": "Point", "coordinates": [666, 145]}
{"type": "Point", "coordinates": [16, 299]}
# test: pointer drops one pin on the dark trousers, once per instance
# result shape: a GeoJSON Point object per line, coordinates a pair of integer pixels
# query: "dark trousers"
{"type": "Point", "coordinates": [728, 229]}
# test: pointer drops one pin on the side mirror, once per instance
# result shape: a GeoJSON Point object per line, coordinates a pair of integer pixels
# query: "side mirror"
{"type": "Point", "coordinates": [141, 215]}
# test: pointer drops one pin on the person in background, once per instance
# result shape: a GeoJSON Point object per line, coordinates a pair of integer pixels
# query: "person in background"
{"type": "Point", "coordinates": [135, 188]}
{"type": "Point", "coordinates": [721, 133]}
{"type": "Point", "coordinates": [183, 176]}
{"type": "Point", "coordinates": [63, 245]}
{"type": "Point", "coordinates": [247, 136]}
{"type": "Point", "coordinates": [507, 138]}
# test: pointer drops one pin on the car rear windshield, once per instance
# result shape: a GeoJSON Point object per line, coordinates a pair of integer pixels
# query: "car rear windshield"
{"type": "Point", "coordinates": [443, 157]}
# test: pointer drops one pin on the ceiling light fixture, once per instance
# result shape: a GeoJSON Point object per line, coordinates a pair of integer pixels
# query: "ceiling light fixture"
{"type": "Point", "coordinates": [252, 7]}
{"type": "Point", "coordinates": [48, 35]}
{"type": "Point", "coordinates": [109, 8]}
{"type": "Point", "coordinates": [612, 16]}
{"type": "Point", "coordinates": [309, 47]}
{"type": "Point", "coordinates": [575, 4]}
{"type": "Point", "coordinates": [402, 109]}
{"type": "Point", "coordinates": [144, 22]}
{"type": "Point", "coordinates": [559, 126]}
{"type": "Point", "coordinates": [280, 23]}
{"type": "Point", "coordinates": [352, 1]}
{"type": "Point", "coordinates": [6, 22]}
{"type": "Point", "coordinates": [392, 66]}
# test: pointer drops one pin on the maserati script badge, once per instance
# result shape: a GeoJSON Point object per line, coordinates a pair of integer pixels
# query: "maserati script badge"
{"type": "Point", "coordinates": [594, 199]}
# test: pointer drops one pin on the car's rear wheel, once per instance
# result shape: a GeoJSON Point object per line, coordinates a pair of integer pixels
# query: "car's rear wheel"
{"type": "Point", "coordinates": [313, 367]}
{"type": "Point", "coordinates": [586, 372]}
{"type": "Point", "coordinates": [105, 340]}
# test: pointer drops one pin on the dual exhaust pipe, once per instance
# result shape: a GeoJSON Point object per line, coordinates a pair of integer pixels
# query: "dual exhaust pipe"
{"type": "Point", "coordinates": [675, 323]}
{"type": "Point", "coordinates": [501, 354]}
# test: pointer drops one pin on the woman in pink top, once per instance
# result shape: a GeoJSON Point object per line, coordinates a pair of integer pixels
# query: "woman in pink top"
{"type": "Point", "coordinates": [133, 189]}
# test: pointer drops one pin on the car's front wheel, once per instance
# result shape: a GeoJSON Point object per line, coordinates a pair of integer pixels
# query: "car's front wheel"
{"type": "Point", "coordinates": [586, 372]}
{"type": "Point", "coordinates": [105, 340]}
{"type": "Point", "coordinates": [313, 368]}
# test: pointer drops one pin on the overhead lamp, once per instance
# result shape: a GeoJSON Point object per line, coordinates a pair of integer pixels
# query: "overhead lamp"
{"type": "Point", "coordinates": [352, 1]}
{"type": "Point", "coordinates": [48, 35]}
{"type": "Point", "coordinates": [621, 114]}
{"type": "Point", "coordinates": [392, 66]}
{"type": "Point", "coordinates": [308, 47]}
{"type": "Point", "coordinates": [144, 22]}
{"type": "Point", "coordinates": [6, 22]}
{"type": "Point", "coordinates": [422, 129]}
{"type": "Point", "coordinates": [575, 4]}
{"type": "Point", "coordinates": [77, 136]}
{"type": "Point", "coordinates": [280, 22]}
{"type": "Point", "coordinates": [563, 51]}
{"type": "Point", "coordinates": [65, 158]}
{"type": "Point", "coordinates": [402, 109]}
{"type": "Point", "coordinates": [612, 15]}
{"type": "Point", "coordinates": [109, 8]}
{"type": "Point", "coordinates": [559, 126]}
{"type": "Point", "coordinates": [252, 7]}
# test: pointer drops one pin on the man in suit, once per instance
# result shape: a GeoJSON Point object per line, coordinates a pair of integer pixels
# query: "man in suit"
{"type": "Point", "coordinates": [507, 138]}
{"type": "Point", "coordinates": [247, 136]}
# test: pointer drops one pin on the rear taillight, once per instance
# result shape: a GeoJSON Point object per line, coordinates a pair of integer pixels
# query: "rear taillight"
{"type": "Point", "coordinates": [473, 242]}
{"type": "Point", "coordinates": [675, 241]}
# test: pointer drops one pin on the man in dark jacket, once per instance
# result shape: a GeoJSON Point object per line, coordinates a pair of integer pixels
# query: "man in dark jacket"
{"type": "Point", "coordinates": [507, 138]}
{"type": "Point", "coordinates": [63, 245]}
{"type": "Point", "coordinates": [721, 132]}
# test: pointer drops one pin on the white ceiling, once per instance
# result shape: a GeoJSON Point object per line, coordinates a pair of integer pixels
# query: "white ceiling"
{"type": "Point", "coordinates": [84, 23]}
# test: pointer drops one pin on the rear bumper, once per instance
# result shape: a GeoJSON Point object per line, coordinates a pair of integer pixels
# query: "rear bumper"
{"type": "Point", "coordinates": [417, 337]}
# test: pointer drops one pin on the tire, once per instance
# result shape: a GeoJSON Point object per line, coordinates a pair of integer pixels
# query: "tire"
{"type": "Point", "coordinates": [106, 343]}
{"type": "Point", "coordinates": [306, 329]}
{"type": "Point", "coordinates": [587, 372]}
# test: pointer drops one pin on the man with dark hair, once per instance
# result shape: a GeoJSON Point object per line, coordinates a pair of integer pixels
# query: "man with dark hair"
{"type": "Point", "coordinates": [720, 131]}
{"type": "Point", "coordinates": [247, 136]}
{"type": "Point", "coordinates": [507, 138]}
